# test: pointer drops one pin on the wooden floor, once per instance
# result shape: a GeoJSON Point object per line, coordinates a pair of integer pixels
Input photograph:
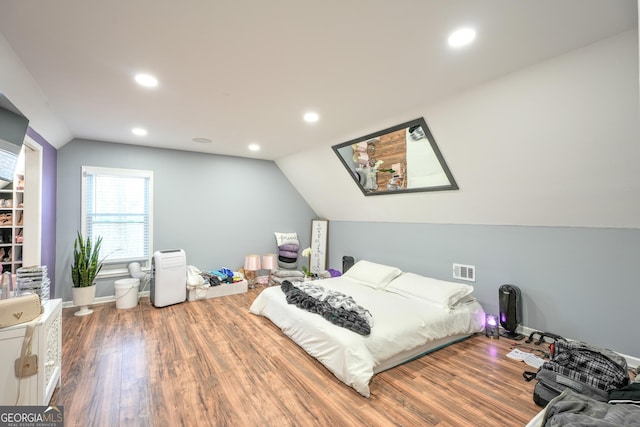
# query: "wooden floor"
{"type": "Point", "coordinates": [212, 363]}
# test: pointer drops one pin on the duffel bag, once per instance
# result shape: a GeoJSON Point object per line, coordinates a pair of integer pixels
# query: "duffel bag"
{"type": "Point", "coordinates": [550, 384]}
{"type": "Point", "coordinates": [589, 370]}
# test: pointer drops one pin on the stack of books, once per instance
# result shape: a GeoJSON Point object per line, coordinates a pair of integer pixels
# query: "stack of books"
{"type": "Point", "coordinates": [33, 280]}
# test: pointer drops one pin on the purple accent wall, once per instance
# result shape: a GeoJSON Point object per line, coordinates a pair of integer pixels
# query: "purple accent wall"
{"type": "Point", "coordinates": [49, 173]}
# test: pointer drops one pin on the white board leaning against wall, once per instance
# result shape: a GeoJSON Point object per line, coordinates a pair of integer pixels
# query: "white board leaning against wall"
{"type": "Point", "coordinates": [319, 235]}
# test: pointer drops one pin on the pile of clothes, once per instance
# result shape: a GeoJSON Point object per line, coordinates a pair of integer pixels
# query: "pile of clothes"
{"type": "Point", "coordinates": [198, 278]}
{"type": "Point", "coordinates": [571, 408]}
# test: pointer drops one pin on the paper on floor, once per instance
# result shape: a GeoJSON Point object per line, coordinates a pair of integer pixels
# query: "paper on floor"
{"type": "Point", "coordinates": [528, 358]}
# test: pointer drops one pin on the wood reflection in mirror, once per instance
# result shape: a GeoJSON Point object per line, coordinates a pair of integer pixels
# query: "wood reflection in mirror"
{"type": "Point", "coordinates": [403, 158]}
{"type": "Point", "coordinates": [393, 149]}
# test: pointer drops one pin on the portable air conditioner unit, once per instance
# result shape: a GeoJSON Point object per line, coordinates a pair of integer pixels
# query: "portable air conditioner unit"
{"type": "Point", "coordinates": [168, 277]}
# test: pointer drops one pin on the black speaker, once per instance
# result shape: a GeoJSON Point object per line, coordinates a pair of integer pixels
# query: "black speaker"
{"type": "Point", "coordinates": [347, 263]}
{"type": "Point", "coordinates": [510, 300]}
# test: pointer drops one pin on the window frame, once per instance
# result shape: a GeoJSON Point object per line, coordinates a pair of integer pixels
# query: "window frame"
{"type": "Point", "coordinates": [115, 269]}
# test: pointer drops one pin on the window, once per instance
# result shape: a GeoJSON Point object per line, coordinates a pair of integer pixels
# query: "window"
{"type": "Point", "coordinates": [117, 205]}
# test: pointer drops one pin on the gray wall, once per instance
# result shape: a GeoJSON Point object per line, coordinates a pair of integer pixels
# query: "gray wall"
{"type": "Point", "coordinates": [216, 208]}
{"type": "Point", "coordinates": [581, 283]}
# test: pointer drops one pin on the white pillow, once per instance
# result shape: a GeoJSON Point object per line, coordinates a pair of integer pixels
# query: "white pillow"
{"type": "Point", "coordinates": [286, 239]}
{"type": "Point", "coordinates": [439, 292]}
{"type": "Point", "coordinates": [376, 276]}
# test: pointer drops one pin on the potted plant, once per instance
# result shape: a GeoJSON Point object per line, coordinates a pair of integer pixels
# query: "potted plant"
{"type": "Point", "coordinates": [86, 266]}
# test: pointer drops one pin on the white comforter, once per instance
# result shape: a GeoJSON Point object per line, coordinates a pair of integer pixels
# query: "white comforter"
{"type": "Point", "coordinates": [398, 326]}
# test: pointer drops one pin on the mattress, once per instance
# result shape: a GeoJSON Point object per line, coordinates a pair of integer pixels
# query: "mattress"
{"type": "Point", "coordinates": [401, 329]}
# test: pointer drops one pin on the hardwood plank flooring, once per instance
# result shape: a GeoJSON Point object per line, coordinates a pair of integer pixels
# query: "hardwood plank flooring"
{"type": "Point", "coordinates": [212, 363]}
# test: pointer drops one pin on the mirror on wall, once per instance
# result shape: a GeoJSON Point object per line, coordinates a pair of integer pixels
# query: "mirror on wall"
{"type": "Point", "coordinates": [401, 159]}
{"type": "Point", "coordinates": [13, 128]}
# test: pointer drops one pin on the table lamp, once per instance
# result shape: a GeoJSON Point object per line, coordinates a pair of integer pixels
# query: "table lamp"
{"type": "Point", "coordinates": [251, 267]}
{"type": "Point", "coordinates": [270, 262]}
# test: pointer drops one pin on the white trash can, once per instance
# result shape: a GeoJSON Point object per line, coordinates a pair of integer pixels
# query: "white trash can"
{"type": "Point", "coordinates": [127, 292]}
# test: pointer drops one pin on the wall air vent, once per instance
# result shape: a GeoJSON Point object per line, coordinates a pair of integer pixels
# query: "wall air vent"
{"type": "Point", "coordinates": [464, 272]}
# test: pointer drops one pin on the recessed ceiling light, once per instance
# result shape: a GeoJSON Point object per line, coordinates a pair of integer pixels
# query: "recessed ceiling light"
{"type": "Point", "coordinates": [254, 147]}
{"type": "Point", "coordinates": [462, 37]}
{"type": "Point", "coordinates": [139, 131]}
{"type": "Point", "coordinates": [146, 80]}
{"type": "Point", "coordinates": [311, 117]}
{"type": "Point", "coordinates": [202, 140]}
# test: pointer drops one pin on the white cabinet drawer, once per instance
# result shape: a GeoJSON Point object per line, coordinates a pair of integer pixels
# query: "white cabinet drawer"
{"type": "Point", "coordinates": [47, 344]}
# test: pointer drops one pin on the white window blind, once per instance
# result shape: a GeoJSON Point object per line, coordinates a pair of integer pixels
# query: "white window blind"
{"type": "Point", "coordinates": [117, 205]}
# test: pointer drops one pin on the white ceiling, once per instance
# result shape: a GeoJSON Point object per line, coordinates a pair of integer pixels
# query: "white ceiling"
{"type": "Point", "coordinates": [240, 72]}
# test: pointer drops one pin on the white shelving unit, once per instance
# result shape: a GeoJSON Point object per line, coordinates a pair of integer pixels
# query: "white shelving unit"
{"type": "Point", "coordinates": [11, 224]}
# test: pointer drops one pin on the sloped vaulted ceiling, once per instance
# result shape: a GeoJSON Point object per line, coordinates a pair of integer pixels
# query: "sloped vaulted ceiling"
{"type": "Point", "coordinates": [245, 72]}
{"type": "Point", "coordinates": [537, 119]}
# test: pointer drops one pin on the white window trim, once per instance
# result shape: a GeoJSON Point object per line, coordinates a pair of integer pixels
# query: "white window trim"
{"type": "Point", "coordinates": [107, 272]}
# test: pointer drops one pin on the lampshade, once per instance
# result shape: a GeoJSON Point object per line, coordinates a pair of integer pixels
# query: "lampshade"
{"type": "Point", "coordinates": [252, 262]}
{"type": "Point", "coordinates": [270, 261]}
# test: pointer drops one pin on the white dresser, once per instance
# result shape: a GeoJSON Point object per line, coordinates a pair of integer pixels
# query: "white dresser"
{"type": "Point", "coordinates": [47, 344]}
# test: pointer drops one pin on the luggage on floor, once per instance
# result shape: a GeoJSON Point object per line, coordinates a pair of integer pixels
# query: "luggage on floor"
{"type": "Point", "coordinates": [587, 369]}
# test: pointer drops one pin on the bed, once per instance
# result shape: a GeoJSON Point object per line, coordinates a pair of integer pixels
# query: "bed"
{"type": "Point", "coordinates": [411, 315]}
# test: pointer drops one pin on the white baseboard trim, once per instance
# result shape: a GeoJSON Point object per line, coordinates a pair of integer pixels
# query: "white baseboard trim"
{"type": "Point", "coordinates": [632, 362]}
{"type": "Point", "coordinates": [104, 300]}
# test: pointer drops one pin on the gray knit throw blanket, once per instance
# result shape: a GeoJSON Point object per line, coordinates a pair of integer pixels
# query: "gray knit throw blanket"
{"type": "Point", "coordinates": [337, 308]}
